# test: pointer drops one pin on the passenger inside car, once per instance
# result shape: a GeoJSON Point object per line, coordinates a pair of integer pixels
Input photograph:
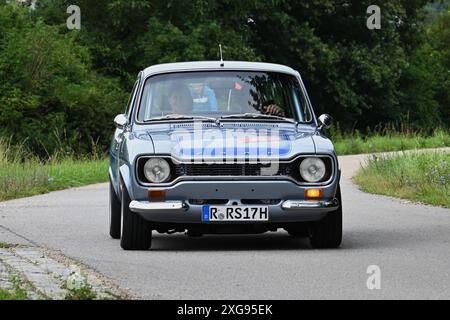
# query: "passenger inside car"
{"type": "Point", "coordinates": [204, 98]}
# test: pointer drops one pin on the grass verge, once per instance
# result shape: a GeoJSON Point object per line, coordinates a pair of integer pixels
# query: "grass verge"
{"type": "Point", "coordinates": [15, 293]}
{"type": "Point", "coordinates": [22, 174]}
{"type": "Point", "coordinates": [389, 141]}
{"type": "Point", "coordinates": [34, 177]}
{"type": "Point", "coordinates": [83, 293]}
{"type": "Point", "coordinates": [423, 177]}
{"type": "Point", "coordinates": [4, 245]}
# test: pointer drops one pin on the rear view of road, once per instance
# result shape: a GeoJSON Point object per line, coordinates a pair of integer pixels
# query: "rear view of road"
{"type": "Point", "coordinates": [410, 243]}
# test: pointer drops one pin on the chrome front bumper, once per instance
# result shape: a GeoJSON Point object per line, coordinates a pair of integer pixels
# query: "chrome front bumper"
{"type": "Point", "coordinates": [182, 212]}
{"type": "Point", "coordinates": [293, 205]}
{"type": "Point", "coordinates": [148, 207]}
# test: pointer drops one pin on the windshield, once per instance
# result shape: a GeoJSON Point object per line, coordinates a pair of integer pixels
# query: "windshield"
{"type": "Point", "coordinates": [224, 95]}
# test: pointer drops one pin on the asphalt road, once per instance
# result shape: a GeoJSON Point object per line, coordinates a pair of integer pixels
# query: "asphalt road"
{"type": "Point", "coordinates": [410, 243]}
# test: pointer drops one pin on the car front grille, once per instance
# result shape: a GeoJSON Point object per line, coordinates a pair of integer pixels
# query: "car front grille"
{"type": "Point", "coordinates": [246, 169]}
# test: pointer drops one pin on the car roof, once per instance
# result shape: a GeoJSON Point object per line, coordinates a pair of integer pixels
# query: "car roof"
{"type": "Point", "coordinates": [216, 65]}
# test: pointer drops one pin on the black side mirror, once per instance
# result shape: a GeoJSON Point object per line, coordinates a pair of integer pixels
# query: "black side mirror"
{"type": "Point", "coordinates": [325, 121]}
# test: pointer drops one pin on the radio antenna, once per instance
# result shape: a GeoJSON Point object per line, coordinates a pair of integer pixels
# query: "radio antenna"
{"type": "Point", "coordinates": [221, 56]}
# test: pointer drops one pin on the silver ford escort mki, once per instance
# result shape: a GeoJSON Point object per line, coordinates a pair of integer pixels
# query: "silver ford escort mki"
{"type": "Point", "coordinates": [222, 147]}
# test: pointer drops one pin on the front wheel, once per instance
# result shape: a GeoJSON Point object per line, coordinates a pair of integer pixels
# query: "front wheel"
{"type": "Point", "coordinates": [327, 233]}
{"type": "Point", "coordinates": [136, 232]}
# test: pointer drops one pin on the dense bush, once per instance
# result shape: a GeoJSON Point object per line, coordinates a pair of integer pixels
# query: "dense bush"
{"type": "Point", "coordinates": [49, 94]}
{"type": "Point", "coordinates": [62, 87]}
{"type": "Point", "coordinates": [439, 38]}
{"type": "Point", "coordinates": [425, 83]}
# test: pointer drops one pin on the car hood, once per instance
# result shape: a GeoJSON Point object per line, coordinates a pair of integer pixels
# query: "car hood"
{"type": "Point", "coordinates": [232, 141]}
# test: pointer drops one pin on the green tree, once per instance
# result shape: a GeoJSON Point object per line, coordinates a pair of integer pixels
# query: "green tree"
{"type": "Point", "coordinates": [425, 82]}
{"type": "Point", "coordinates": [438, 34]}
{"type": "Point", "coordinates": [352, 72]}
{"type": "Point", "coordinates": [49, 94]}
{"type": "Point", "coordinates": [126, 36]}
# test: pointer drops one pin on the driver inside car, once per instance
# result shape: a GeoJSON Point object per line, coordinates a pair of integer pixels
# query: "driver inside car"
{"type": "Point", "coordinates": [179, 100]}
{"type": "Point", "coordinates": [273, 109]}
{"type": "Point", "coordinates": [255, 105]}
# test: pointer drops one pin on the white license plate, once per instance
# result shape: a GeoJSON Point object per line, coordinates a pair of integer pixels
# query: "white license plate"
{"type": "Point", "coordinates": [235, 213]}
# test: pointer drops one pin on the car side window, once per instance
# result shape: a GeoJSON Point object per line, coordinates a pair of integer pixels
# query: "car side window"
{"type": "Point", "coordinates": [131, 99]}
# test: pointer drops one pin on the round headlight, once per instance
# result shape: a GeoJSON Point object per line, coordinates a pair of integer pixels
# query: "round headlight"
{"type": "Point", "coordinates": [157, 170]}
{"type": "Point", "coordinates": [312, 169]}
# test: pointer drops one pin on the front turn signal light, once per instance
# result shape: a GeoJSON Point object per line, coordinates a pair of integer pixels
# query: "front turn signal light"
{"type": "Point", "coordinates": [313, 193]}
{"type": "Point", "coordinates": [157, 195]}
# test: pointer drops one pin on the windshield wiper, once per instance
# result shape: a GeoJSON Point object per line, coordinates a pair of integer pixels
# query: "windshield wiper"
{"type": "Point", "coordinates": [256, 116]}
{"type": "Point", "coordinates": [180, 117]}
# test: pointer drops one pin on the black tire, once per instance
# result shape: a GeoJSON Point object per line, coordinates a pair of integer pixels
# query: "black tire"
{"type": "Point", "coordinates": [298, 230]}
{"type": "Point", "coordinates": [114, 213]}
{"type": "Point", "coordinates": [136, 232]}
{"type": "Point", "coordinates": [327, 233]}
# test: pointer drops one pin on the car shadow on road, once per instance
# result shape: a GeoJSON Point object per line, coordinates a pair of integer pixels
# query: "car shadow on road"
{"type": "Point", "coordinates": [360, 239]}
{"type": "Point", "coordinates": [273, 241]}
